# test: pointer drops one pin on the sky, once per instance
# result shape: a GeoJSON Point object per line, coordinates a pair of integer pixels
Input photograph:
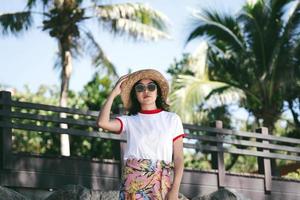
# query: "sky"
{"type": "Point", "coordinates": [29, 58]}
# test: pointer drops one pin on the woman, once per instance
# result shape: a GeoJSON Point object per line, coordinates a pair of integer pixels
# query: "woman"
{"type": "Point", "coordinates": [153, 134]}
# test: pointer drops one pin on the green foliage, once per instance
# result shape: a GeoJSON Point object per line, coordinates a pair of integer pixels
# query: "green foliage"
{"type": "Point", "coordinates": [32, 141]}
{"type": "Point", "coordinates": [180, 66]}
{"type": "Point", "coordinates": [202, 161]}
{"type": "Point", "coordinates": [92, 97]}
{"type": "Point", "coordinates": [45, 94]}
{"type": "Point", "coordinates": [35, 142]}
{"type": "Point", "coordinates": [293, 175]}
{"type": "Point", "coordinates": [15, 23]}
{"type": "Point", "coordinates": [96, 92]}
{"type": "Point", "coordinates": [196, 161]}
{"type": "Point", "coordinates": [242, 164]}
{"type": "Point", "coordinates": [63, 23]}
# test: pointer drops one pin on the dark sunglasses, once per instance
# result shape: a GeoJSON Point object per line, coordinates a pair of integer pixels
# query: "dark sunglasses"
{"type": "Point", "coordinates": [141, 87]}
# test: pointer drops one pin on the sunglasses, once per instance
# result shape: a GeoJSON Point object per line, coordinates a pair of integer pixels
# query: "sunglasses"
{"type": "Point", "coordinates": [141, 87]}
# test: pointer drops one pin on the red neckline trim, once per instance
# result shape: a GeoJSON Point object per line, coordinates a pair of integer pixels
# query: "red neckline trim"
{"type": "Point", "coordinates": [150, 111]}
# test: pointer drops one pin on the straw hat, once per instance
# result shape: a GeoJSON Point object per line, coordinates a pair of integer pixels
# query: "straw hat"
{"type": "Point", "coordinates": [139, 75]}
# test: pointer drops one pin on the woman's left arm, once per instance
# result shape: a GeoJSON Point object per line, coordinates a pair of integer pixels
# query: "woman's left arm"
{"type": "Point", "coordinates": [178, 169]}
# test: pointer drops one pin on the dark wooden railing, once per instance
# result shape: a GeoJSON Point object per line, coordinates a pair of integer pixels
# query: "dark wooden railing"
{"type": "Point", "coordinates": [41, 171]}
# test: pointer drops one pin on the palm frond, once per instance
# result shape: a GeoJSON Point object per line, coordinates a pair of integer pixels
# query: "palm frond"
{"type": "Point", "coordinates": [197, 61]}
{"type": "Point", "coordinates": [137, 20]}
{"type": "Point", "coordinates": [99, 58]}
{"type": "Point", "coordinates": [194, 92]}
{"type": "Point", "coordinates": [15, 23]}
{"type": "Point", "coordinates": [217, 27]}
{"type": "Point", "coordinates": [33, 3]}
{"type": "Point", "coordinates": [292, 25]}
{"type": "Point", "coordinates": [226, 95]}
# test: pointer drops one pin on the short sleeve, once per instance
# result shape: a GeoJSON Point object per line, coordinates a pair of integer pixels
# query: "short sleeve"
{"type": "Point", "coordinates": [123, 122]}
{"type": "Point", "coordinates": [178, 128]}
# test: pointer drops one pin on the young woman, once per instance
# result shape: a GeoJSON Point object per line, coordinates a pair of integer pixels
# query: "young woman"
{"type": "Point", "coordinates": [154, 136]}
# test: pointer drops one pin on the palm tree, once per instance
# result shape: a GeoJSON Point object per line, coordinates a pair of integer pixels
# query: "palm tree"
{"type": "Point", "coordinates": [255, 51]}
{"type": "Point", "coordinates": [65, 21]}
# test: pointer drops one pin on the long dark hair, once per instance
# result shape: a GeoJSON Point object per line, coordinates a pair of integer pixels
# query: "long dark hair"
{"type": "Point", "coordinates": [136, 106]}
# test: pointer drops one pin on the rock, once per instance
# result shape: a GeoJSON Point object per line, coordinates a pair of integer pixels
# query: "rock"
{"type": "Point", "coordinates": [70, 192]}
{"type": "Point", "coordinates": [78, 192]}
{"type": "Point", "coordinates": [9, 194]}
{"type": "Point", "coordinates": [105, 195]}
{"type": "Point", "coordinates": [182, 197]}
{"type": "Point", "coordinates": [222, 194]}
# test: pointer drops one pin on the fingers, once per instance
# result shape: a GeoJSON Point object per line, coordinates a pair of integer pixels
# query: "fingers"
{"type": "Point", "coordinates": [122, 79]}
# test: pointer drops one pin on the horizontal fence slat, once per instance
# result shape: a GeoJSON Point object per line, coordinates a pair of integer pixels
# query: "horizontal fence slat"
{"type": "Point", "coordinates": [65, 131]}
{"type": "Point", "coordinates": [241, 152]}
{"type": "Point", "coordinates": [243, 143]}
{"type": "Point", "coordinates": [271, 138]}
{"type": "Point", "coordinates": [57, 119]}
{"type": "Point", "coordinates": [38, 106]}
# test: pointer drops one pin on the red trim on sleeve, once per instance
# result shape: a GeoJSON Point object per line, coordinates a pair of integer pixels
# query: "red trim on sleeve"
{"type": "Point", "coordinates": [121, 129]}
{"type": "Point", "coordinates": [179, 136]}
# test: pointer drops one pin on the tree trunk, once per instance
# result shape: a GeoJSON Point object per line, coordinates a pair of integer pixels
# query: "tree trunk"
{"type": "Point", "coordinates": [270, 116]}
{"type": "Point", "coordinates": [294, 113]}
{"type": "Point", "coordinates": [65, 78]}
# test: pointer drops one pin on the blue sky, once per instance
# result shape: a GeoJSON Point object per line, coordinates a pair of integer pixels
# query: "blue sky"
{"type": "Point", "coordinates": [29, 59]}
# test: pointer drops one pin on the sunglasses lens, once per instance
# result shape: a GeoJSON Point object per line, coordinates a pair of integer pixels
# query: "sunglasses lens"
{"type": "Point", "coordinates": [140, 88]}
{"type": "Point", "coordinates": [151, 87]}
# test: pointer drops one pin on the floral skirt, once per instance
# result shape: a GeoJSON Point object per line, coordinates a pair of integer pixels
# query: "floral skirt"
{"type": "Point", "coordinates": [145, 179]}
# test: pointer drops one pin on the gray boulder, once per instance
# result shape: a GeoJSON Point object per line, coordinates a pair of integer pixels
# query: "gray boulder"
{"type": "Point", "coordinates": [70, 192]}
{"type": "Point", "coordinates": [9, 194]}
{"type": "Point", "coordinates": [78, 192]}
{"type": "Point", "coordinates": [222, 194]}
{"type": "Point", "coordinates": [182, 197]}
{"type": "Point", "coordinates": [105, 195]}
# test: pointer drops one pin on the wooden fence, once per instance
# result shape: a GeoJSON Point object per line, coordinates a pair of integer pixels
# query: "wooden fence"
{"type": "Point", "coordinates": [42, 172]}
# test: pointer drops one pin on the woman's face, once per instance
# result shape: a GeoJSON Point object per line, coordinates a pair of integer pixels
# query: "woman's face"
{"type": "Point", "coordinates": [146, 92]}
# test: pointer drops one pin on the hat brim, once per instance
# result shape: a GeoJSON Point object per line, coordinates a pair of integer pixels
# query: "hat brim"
{"type": "Point", "coordinates": [133, 78]}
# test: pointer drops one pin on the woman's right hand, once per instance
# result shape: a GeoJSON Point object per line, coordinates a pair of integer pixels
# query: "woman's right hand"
{"type": "Point", "coordinates": [117, 89]}
{"type": "Point", "coordinates": [103, 120]}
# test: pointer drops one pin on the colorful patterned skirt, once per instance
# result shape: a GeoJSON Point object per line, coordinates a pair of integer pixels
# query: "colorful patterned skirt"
{"type": "Point", "coordinates": [144, 179]}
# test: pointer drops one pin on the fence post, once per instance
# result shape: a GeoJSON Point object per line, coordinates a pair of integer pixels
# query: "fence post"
{"type": "Point", "coordinates": [264, 164]}
{"type": "Point", "coordinates": [5, 130]}
{"type": "Point", "coordinates": [220, 157]}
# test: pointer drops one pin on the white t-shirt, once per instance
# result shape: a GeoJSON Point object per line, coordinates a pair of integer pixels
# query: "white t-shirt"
{"type": "Point", "coordinates": [150, 134]}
